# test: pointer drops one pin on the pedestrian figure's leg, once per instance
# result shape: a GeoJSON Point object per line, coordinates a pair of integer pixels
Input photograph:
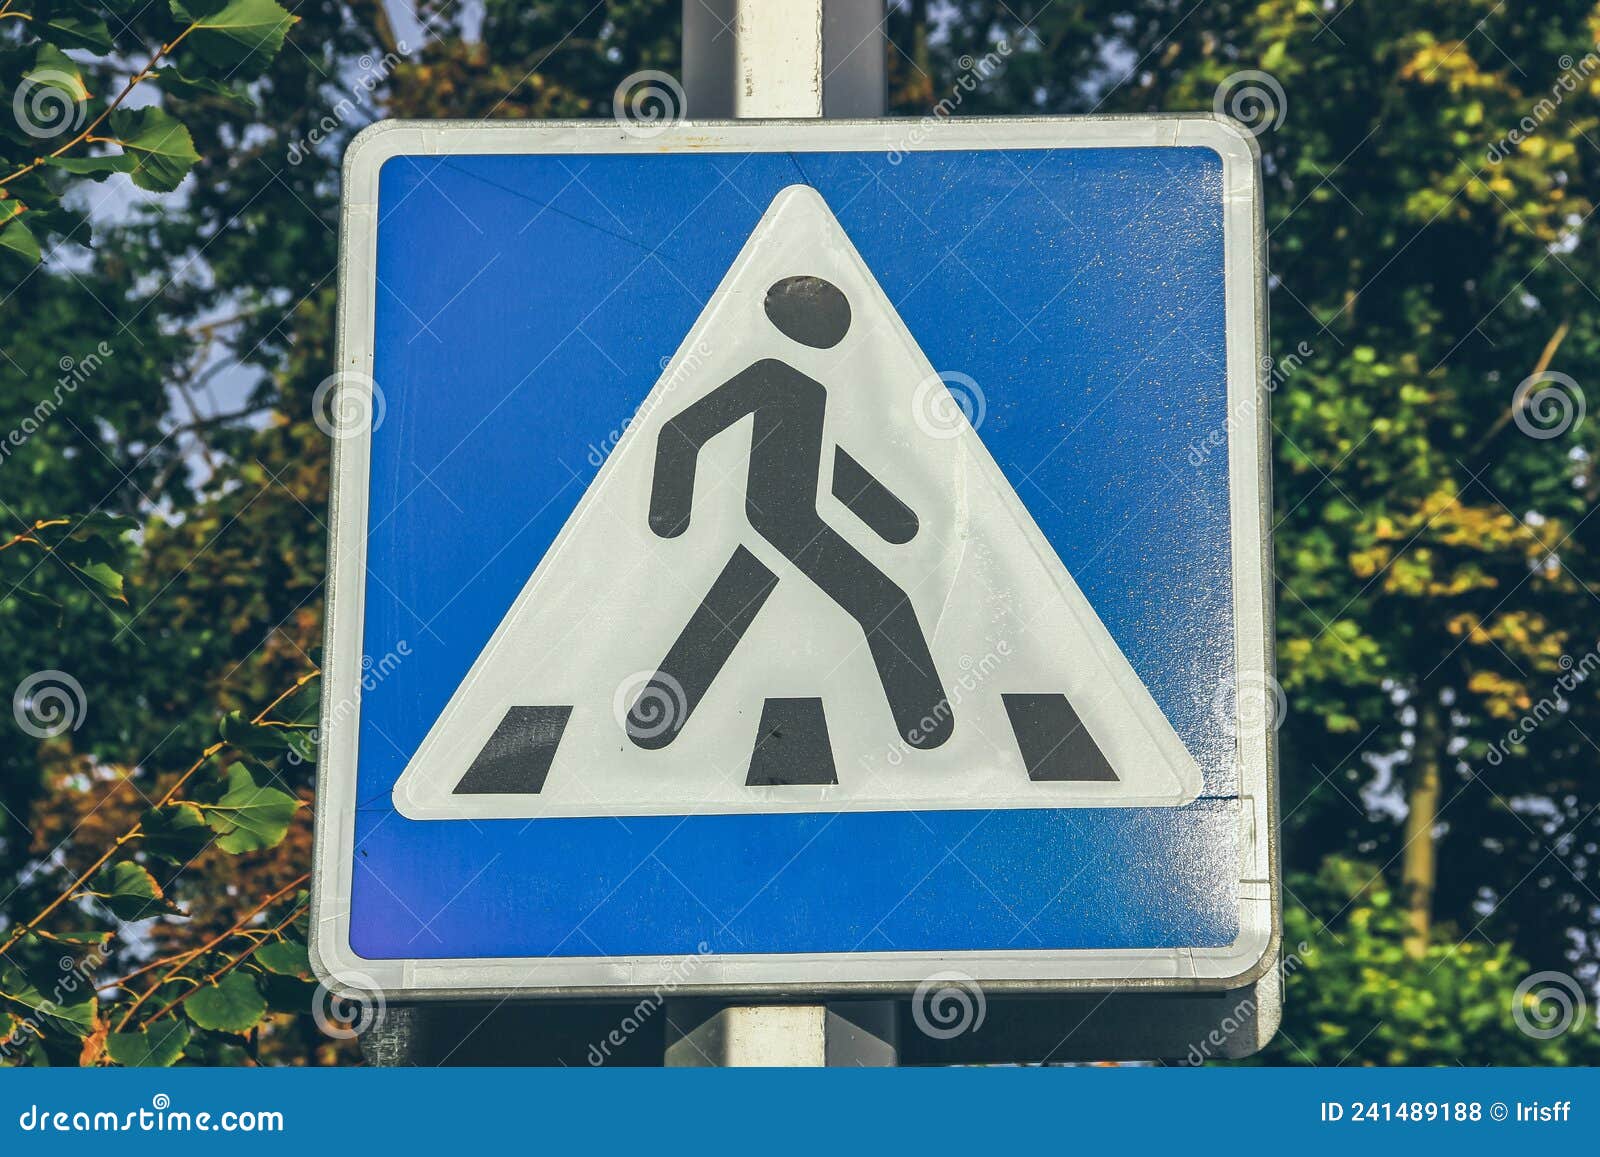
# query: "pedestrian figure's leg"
{"type": "Point", "coordinates": [663, 708]}
{"type": "Point", "coordinates": [922, 713]}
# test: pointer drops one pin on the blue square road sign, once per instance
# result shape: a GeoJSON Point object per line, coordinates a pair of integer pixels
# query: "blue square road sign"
{"type": "Point", "coordinates": [798, 558]}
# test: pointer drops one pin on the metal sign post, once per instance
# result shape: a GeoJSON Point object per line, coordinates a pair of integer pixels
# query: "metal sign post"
{"type": "Point", "coordinates": [746, 60]}
{"type": "Point", "coordinates": [801, 58]}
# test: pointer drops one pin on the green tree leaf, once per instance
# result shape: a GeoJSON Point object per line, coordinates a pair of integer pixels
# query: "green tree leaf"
{"type": "Point", "coordinates": [130, 891]}
{"type": "Point", "coordinates": [156, 1047]}
{"type": "Point", "coordinates": [286, 993]}
{"type": "Point", "coordinates": [175, 83]}
{"type": "Point", "coordinates": [39, 607]}
{"type": "Point", "coordinates": [103, 579]}
{"type": "Point", "coordinates": [176, 832]}
{"type": "Point", "coordinates": [249, 817]}
{"type": "Point", "coordinates": [260, 740]}
{"type": "Point", "coordinates": [98, 168]}
{"type": "Point", "coordinates": [79, 32]}
{"type": "Point", "coordinates": [54, 69]}
{"type": "Point", "coordinates": [52, 1013]}
{"type": "Point", "coordinates": [234, 35]}
{"type": "Point", "coordinates": [100, 524]}
{"type": "Point", "coordinates": [232, 1004]}
{"type": "Point", "coordinates": [16, 238]}
{"type": "Point", "coordinates": [161, 147]}
{"type": "Point", "coordinates": [285, 957]}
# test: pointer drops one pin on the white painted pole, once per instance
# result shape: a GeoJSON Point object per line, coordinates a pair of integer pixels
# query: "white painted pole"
{"type": "Point", "coordinates": [784, 58]}
{"type": "Point", "coordinates": [777, 58]}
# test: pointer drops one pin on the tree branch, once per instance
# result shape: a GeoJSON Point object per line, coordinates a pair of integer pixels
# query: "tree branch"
{"type": "Point", "coordinates": [1545, 358]}
{"type": "Point", "coordinates": [133, 82]}
{"type": "Point", "coordinates": [181, 960]}
{"type": "Point", "coordinates": [136, 831]}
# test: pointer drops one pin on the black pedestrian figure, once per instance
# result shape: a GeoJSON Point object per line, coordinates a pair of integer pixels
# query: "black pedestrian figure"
{"type": "Point", "coordinates": [780, 502]}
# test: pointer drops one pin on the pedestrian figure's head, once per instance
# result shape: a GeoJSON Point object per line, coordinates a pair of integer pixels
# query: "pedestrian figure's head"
{"type": "Point", "coordinates": [810, 310]}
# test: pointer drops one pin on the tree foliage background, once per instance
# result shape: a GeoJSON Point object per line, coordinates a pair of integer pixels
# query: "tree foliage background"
{"type": "Point", "coordinates": [168, 301]}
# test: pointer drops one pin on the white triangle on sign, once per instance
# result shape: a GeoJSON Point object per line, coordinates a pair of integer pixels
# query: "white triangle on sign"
{"type": "Point", "coordinates": [762, 658]}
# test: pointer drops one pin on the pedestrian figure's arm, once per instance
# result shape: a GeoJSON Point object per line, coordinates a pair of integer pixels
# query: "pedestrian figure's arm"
{"type": "Point", "coordinates": [678, 450]}
{"type": "Point", "coordinates": [871, 501]}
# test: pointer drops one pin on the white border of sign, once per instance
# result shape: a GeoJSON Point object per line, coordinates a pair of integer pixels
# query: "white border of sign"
{"type": "Point", "coordinates": [808, 974]}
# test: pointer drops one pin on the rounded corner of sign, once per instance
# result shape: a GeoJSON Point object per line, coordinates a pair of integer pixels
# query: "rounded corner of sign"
{"type": "Point", "coordinates": [1252, 955]}
{"type": "Point", "coordinates": [1228, 138]}
{"type": "Point", "coordinates": [364, 157]}
{"type": "Point", "coordinates": [335, 963]}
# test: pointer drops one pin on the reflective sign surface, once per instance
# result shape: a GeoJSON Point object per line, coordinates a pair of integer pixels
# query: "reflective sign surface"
{"type": "Point", "coordinates": [808, 565]}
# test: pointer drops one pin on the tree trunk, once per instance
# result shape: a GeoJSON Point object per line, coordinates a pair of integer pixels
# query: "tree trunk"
{"type": "Point", "coordinates": [1420, 871]}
